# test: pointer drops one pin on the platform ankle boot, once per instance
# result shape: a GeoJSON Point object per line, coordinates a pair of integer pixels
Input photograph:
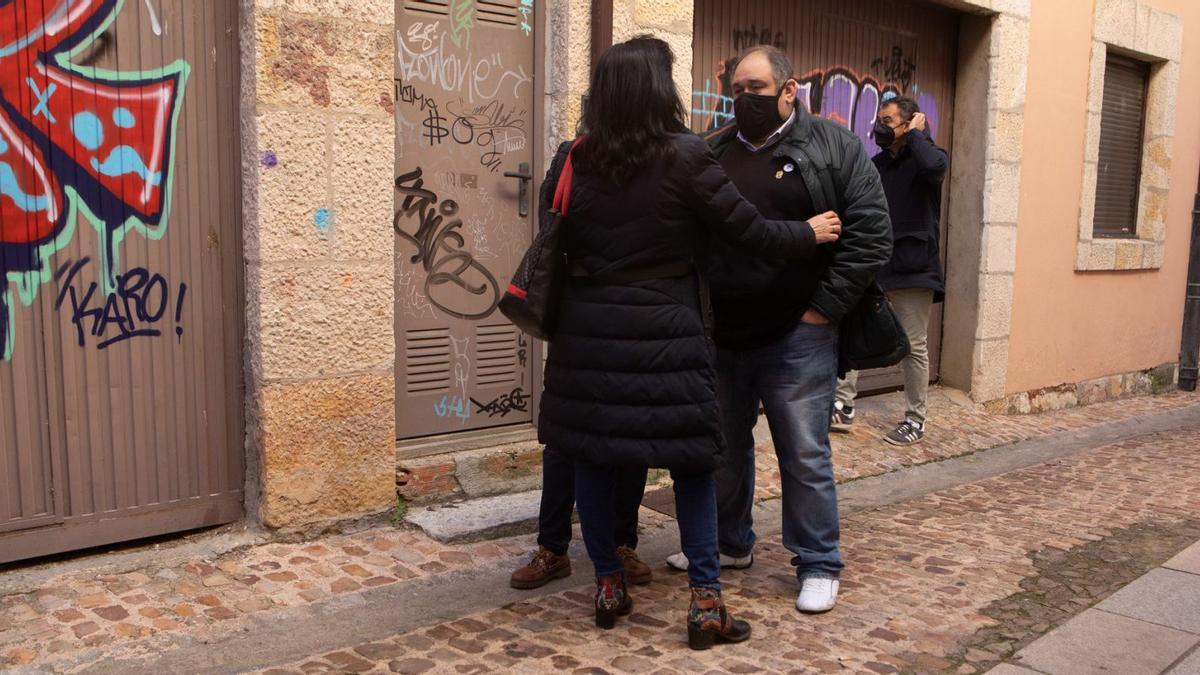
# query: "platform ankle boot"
{"type": "Point", "coordinates": [612, 599]}
{"type": "Point", "coordinates": [710, 623]}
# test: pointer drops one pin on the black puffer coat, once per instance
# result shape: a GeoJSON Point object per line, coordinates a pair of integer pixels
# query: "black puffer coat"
{"type": "Point", "coordinates": [629, 377]}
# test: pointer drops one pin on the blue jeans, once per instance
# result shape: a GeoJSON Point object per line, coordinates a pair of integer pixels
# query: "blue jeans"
{"type": "Point", "coordinates": [696, 513]}
{"type": "Point", "coordinates": [794, 377]}
{"type": "Point", "coordinates": [558, 502]}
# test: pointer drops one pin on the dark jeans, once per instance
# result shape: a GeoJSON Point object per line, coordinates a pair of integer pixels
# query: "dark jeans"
{"type": "Point", "coordinates": [558, 501]}
{"type": "Point", "coordinates": [794, 377]}
{"type": "Point", "coordinates": [696, 513]}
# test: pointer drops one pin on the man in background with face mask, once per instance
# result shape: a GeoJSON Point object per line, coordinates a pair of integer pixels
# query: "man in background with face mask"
{"type": "Point", "coordinates": [776, 322]}
{"type": "Point", "coordinates": [912, 167]}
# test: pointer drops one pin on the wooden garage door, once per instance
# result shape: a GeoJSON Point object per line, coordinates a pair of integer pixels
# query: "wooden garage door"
{"type": "Point", "coordinates": [120, 246]}
{"type": "Point", "coordinates": [849, 55]}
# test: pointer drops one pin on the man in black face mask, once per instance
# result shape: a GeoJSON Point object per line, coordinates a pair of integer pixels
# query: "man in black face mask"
{"type": "Point", "coordinates": [776, 322]}
{"type": "Point", "coordinates": [912, 167]}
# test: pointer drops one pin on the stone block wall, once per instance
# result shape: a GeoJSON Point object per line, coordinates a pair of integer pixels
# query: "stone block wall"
{"type": "Point", "coordinates": [318, 153]}
{"type": "Point", "coordinates": [669, 20]}
{"type": "Point", "coordinates": [568, 53]}
{"type": "Point", "coordinates": [1158, 380]}
{"type": "Point", "coordinates": [568, 70]}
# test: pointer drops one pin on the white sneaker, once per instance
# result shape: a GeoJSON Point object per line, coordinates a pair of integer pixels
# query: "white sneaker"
{"type": "Point", "coordinates": [679, 561]}
{"type": "Point", "coordinates": [817, 595]}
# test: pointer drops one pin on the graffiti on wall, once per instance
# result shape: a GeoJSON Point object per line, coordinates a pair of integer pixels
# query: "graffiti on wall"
{"type": "Point", "coordinates": [750, 36]}
{"type": "Point", "coordinates": [515, 401]}
{"type": "Point", "coordinates": [463, 109]}
{"type": "Point", "coordinates": [526, 10]}
{"type": "Point", "coordinates": [76, 141]}
{"type": "Point", "coordinates": [431, 59]}
{"type": "Point", "coordinates": [453, 93]}
{"type": "Point", "coordinates": [852, 100]}
{"type": "Point", "coordinates": [494, 127]}
{"type": "Point", "coordinates": [462, 22]}
{"type": "Point", "coordinates": [838, 93]}
{"type": "Point", "coordinates": [136, 308]}
{"type": "Point", "coordinates": [439, 248]}
{"type": "Point", "coordinates": [896, 67]}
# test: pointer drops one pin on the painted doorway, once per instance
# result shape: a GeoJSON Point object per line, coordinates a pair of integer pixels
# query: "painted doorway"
{"type": "Point", "coordinates": [120, 241]}
{"type": "Point", "coordinates": [465, 199]}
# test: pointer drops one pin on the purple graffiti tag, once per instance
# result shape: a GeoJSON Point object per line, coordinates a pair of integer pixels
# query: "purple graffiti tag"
{"type": "Point", "coordinates": [929, 106]}
{"type": "Point", "coordinates": [853, 100]}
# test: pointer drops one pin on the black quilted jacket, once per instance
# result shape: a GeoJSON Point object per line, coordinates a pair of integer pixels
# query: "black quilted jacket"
{"type": "Point", "coordinates": [840, 178]}
{"type": "Point", "coordinates": [629, 375]}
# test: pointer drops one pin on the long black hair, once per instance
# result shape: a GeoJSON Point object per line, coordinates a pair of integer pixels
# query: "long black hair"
{"type": "Point", "coordinates": [632, 106]}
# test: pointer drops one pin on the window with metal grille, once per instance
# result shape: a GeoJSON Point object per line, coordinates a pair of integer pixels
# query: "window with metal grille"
{"type": "Point", "coordinates": [1120, 170]}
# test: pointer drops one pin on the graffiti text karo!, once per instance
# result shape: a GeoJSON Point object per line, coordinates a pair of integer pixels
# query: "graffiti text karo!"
{"type": "Point", "coordinates": [73, 136]}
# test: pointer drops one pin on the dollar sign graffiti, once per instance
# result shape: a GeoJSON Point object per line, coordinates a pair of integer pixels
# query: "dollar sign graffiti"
{"type": "Point", "coordinates": [435, 127]}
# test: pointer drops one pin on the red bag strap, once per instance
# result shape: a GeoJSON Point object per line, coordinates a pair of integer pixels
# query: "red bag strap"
{"type": "Point", "coordinates": [562, 191]}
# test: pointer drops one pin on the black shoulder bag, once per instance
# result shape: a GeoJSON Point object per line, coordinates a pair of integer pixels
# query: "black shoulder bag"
{"type": "Point", "coordinates": [870, 335]}
{"type": "Point", "coordinates": [534, 296]}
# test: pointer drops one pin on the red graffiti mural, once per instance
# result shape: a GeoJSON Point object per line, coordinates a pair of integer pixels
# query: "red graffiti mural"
{"type": "Point", "coordinates": [76, 138]}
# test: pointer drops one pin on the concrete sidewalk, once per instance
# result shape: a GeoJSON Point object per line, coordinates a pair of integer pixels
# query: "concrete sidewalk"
{"type": "Point", "coordinates": [1149, 627]}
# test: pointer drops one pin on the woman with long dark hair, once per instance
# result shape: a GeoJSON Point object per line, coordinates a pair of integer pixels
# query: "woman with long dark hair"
{"type": "Point", "coordinates": [630, 380]}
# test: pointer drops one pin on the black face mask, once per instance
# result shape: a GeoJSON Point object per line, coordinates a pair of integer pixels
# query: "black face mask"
{"type": "Point", "coordinates": [884, 135]}
{"type": "Point", "coordinates": [757, 115]}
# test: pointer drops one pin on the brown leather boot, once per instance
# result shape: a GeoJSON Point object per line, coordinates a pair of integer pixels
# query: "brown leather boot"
{"type": "Point", "coordinates": [544, 567]}
{"type": "Point", "coordinates": [636, 571]}
{"type": "Point", "coordinates": [709, 621]}
{"type": "Point", "coordinates": [612, 599]}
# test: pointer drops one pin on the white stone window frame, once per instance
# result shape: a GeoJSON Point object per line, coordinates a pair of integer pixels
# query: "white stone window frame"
{"type": "Point", "coordinates": [1135, 30]}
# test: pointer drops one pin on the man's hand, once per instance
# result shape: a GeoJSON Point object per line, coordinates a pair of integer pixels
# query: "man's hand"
{"type": "Point", "coordinates": [814, 317]}
{"type": "Point", "coordinates": [827, 226]}
{"type": "Point", "coordinates": [917, 122]}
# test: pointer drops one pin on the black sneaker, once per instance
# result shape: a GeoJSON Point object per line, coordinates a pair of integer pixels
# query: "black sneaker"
{"type": "Point", "coordinates": [906, 433]}
{"type": "Point", "coordinates": [843, 417]}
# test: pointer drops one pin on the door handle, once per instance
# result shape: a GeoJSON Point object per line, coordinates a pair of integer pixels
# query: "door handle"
{"type": "Point", "coordinates": [525, 176]}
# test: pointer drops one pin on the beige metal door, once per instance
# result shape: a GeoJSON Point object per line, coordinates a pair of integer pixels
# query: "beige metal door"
{"type": "Point", "coordinates": [29, 478]}
{"type": "Point", "coordinates": [464, 203]}
{"type": "Point", "coordinates": [849, 55]}
{"type": "Point", "coordinates": [120, 243]}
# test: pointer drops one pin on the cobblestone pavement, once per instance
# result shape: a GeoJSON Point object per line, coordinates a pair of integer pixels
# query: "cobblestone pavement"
{"type": "Point", "coordinates": [953, 430]}
{"type": "Point", "coordinates": [80, 610]}
{"type": "Point", "coordinates": [925, 581]}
